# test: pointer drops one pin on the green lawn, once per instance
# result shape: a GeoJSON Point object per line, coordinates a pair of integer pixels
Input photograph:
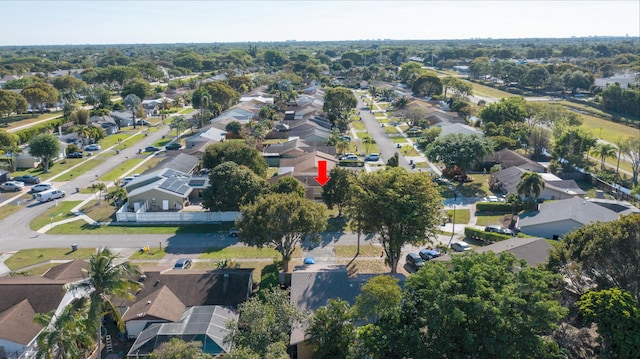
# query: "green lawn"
{"type": "Point", "coordinates": [57, 213]}
{"type": "Point", "coordinates": [162, 142]}
{"type": "Point", "coordinates": [186, 111]}
{"type": "Point", "coordinates": [462, 215]}
{"type": "Point", "coordinates": [366, 250]}
{"type": "Point", "coordinates": [122, 168]}
{"type": "Point", "coordinates": [607, 130]}
{"type": "Point", "coordinates": [22, 121]}
{"type": "Point", "coordinates": [57, 167]}
{"type": "Point", "coordinates": [238, 252]}
{"type": "Point", "coordinates": [8, 209]}
{"type": "Point", "coordinates": [478, 188]}
{"type": "Point", "coordinates": [83, 168]}
{"type": "Point", "coordinates": [391, 130]}
{"type": "Point", "coordinates": [486, 91]}
{"type": "Point", "coordinates": [383, 105]}
{"type": "Point", "coordinates": [409, 151]}
{"type": "Point", "coordinates": [398, 139]}
{"type": "Point", "coordinates": [28, 257]}
{"type": "Point", "coordinates": [122, 136]}
{"type": "Point", "coordinates": [358, 126]}
{"type": "Point", "coordinates": [100, 212]}
{"type": "Point", "coordinates": [152, 253]}
{"type": "Point", "coordinates": [404, 127]}
{"type": "Point", "coordinates": [82, 227]}
{"type": "Point", "coordinates": [487, 219]}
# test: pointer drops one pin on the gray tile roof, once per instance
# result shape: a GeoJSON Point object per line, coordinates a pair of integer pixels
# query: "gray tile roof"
{"type": "Point", "coordinates": [576, 209]}
{"type": "Point", "coordinates": [532, 250]}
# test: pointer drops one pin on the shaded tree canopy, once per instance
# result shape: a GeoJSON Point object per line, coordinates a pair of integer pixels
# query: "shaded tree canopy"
{"type": "Point", "coordinates": [231, 186]}
{"type": "Point", "coordinates": [237, 152]}
{"type": "Point", "coordinates": [458, 149]}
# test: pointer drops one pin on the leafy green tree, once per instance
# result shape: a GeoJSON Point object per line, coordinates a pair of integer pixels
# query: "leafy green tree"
{"type": "Point", "coordinates": [117, 197]}
{"type": "Point", "coordinates": [378, 297]}
{"type": "Point", "coordinates": [618, 317]}
{"type": "Point", "coordinates": [536, 77]}
{"type": "Point", "coordinates": [458, 149]}
{"type": "Point", "coordinates": [9, 147]}
{"type": "Point", "coordinates": [234, 127]}
{"type": "Point", "coordinates": [428, 135]}
{"type": "Point", "coordinates": [338, 102]}
{"type": "Point", "coordinates": [478, 305]}
{"type": "Point", "coordinates": [68, 82]}
{"type": "Point", "coordinates": [338, 190]}
{"type": "Point", "coordinates": [281, 221]}
{"type": "Point", "coordinates": [38, 94]}
{"type": "Point", "coordinates": [108, 279]}
{"type": "Point", "coordinates": [65, 335]}
{"type": "Point", "coordinates": [603, 150]}
{"type": "Point", "coordinates": [274, 58]}
{"type": "Point", "coordinates": [189, 60]}
{"type": "Point", "coordinates": [400, 207]}
{"type": "Point", "coordinates": [571, 146]}
{"type": "Point", "coordinates": [367, 143]}
{"type": "Point", "coordinates": [231, 186]}
{"type": "Point", "coordinates": [239, 153]}
{"type": "Point", "coordinates": [277, 350]}
{"type": "Point", "coordinates": [605, 252]}
{"type": "Point", "coordinates": [131, 102]}
{"type": "Point", "coordinates": [263, 322]}
{"type": "Point", "coordinates": [177, 348]}
{"type": "Point", "coordinates": [45, 146]}
{"type": "Point", "coordinates": [410, 71]}
{"type": "Point", "coordinates": [179, 123]}
{"type": "Point", "coordinates": [220, 93]}
{"type": "Point", "coordinates": [394, 161]}
{"type": "Point", "coordinates": [138, 87]}
{"type": "Point", "coordinates": [530, 186]}
{"type": "Point", "coordinates": [288, 184]}
{"type": "Point", "coordinates": [332, 330]}
{"type": "Point", "coordinates": [427, 85]}
{"type": "Point", "coordinates": [11, 102]}
{"type": "Point", "coordinates": [480, 67]}
{"type": "Point", "coordinates": [508, 109]}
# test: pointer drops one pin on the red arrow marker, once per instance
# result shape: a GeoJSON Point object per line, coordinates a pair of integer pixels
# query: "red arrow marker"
{"type": "Point", "coordinates": [322, 173]}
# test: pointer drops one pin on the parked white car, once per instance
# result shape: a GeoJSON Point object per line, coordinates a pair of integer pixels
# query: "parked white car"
{"type": "Point", "coordinates": [41, 187]}
{"type": "Point", "coordinates": [50, 195]}
{"type": "Point", "coordinates": [460, 246]}
{"type": "Point", "coordinates": [14, 186]}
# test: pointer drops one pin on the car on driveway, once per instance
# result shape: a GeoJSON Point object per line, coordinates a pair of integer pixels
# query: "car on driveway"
{"type": "Point", "coordinates": [151, 149]}
{"type": "Point", "coordinates": [173, 146]}
{"type": "Point", "coordinates": [41, 187]}
{"type": "Point", "coordinates": [414, 261]}
{"type": "Point", "coordinates": [349, 157]}
{"type": "Point", "coordinates": [142, 123]}
{"type": "Point", "coordinates": [372, 157]}
{"type": "Point", "coordinates": [75, 155]}
{"type": "Point", "coordinates": [93, 147]}
{"type": "Point", "coordinates": [460, 246]}
{"type": "Point", "coordinates": [429, 254]}
{"type": "Point", "coordinates": [183, 263]}
{"type": "Point", "coordinates": [499, 229]}
{"type": "Point", "coordinates": [14, 186]}
{"type": "Point", "coordinates": [27, 179]}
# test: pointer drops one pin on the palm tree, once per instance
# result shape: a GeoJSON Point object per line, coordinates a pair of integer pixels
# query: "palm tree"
{"type": "Point", "coordinates": [604, 150]}
{"type": "Point", "coordinates": [179, 123]}
{"type": "Point", "coordinates": [368, 142]}
{"type": "Point", "coordinates": [204, 106]}
{"type": "Point", "coordinates": [84, 132]}
{"type": "Point", "coordinates": [342, 145]}
{"type": "Point", "coordinates": [530, 185]}
{"type": "Point", "coordinates": [117, 196]}
{"type": "Point", "coordinates": [65, 335]}
{"type": "Point", "coordinates": [623, 147]}
{"type": "Point", "coordinates": [108, 280]}
{"type": "Point", "coordinates": [131, 102]}
{"type": "Point", "coordinates": [98, 187]}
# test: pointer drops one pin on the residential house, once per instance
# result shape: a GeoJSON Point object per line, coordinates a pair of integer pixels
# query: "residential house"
{"type": "Point", "coordinates": [234, 114]}
{"type": "Point", "coordinates": [123, 118]}
{"type": "Point", "coordinates": [554, 187]}
{"type": "Point", "coordinates": [107, 123]}
{"type": "Point", "coordinates": [313, 286]}
{"type": "Point", "coordinates": [208, 136]}
{"type": "Point", "coordinates": [166, 295]}
{"type": "Point", "coordinates": [4, 176]}
{"type": "Point", "coordinates": [273, 153]}
{"type": "Point", "coordinates": [555, 219]}
{"type": "Point", "coordinates": [161, 190]}
{"type": "Point", "coordinates": [180, 162]}
{"type": "Point", "coordinates": [449, 128]}
{"type": "Point", "coordinates": [22, 297]}
{"type": "Point", "coordinates": [7, 78]}
{"type": "Point", "coordinates": [25, 160]}
{"type": "Point", "coordinates": [533, 250]}
{"type": "Point", "coordinates": [304, 168]}
{"type": "Point", "coordinates": [152, 107]}
{"type": "Point", "coordinates": [508, 158]}
{"type": "Point", "coordinates": [309, 132]}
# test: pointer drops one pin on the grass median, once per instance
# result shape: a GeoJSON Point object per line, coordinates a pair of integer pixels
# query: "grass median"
{"type": "Point", "coordinates": [29, 257]}
{"type": "Point", "coordinates": [53, 214]}
{"type": "Point", "coordinates": [121, 169]}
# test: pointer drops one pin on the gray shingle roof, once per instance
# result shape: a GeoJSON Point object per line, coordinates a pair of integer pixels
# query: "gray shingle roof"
{"type": "Point", "coordinates": [576, 209]}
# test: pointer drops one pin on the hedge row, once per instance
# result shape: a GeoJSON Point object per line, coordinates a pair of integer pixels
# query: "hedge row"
{"type": "Point", "coordinates": [486, 237]}
{"type": "Point", "coordinates": [351, 163]}
{"type": "Point", "coordinates": [28, 133]}
{"type": "Point", "coordinates": [496, 207]}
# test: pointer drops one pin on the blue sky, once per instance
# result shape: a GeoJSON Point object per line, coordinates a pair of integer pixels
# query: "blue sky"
{"type": "Point", "coordinates": [110, 22]}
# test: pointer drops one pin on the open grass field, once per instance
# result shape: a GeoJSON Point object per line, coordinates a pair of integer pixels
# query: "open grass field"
{"type": "Point", "coordinates": [54, 213]}
{"type": "Point", "coordinates": [486, 91]}
{"type": "Point", "coordinates": [82, 227]}
{"type": "Point", "coordinates": [608, 130]}
{"type": "Point", "coordinates": [121, 169]}
{"type": "Point", "coordinates": [28, 257]}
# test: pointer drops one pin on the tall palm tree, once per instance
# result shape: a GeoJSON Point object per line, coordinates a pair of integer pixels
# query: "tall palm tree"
{"type": "Point", "coordinates": [530, 185]}
{"type": "Point", "coordinates": [108, 279]}
{"type": "Point", "coordinates": [623, 147]}
{"type": "Point", "coordinates": [65, 335]}
{"type": "Point", "coordinates": [84, 132]}
{"type": "Point", "coordinates": [179, 123]}
{"type": "Point", "coordinates": [604, 150]}
{"type": "Point", "coordinates": [368, 142]}
{"type": "Point", "coordinates": [204, 106]}
{"type": "Point", "coordinates": [131, 102]}
{"type": "Point", "coordinates": [342, 145]}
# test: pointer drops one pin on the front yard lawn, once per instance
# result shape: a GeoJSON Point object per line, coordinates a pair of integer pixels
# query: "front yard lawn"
{"type": "Point", "coordinates": [462, 215]}
{"type": "Point", "coordinates": [100, 212]}
{"type": "Point", "coordinates": [28, 257]}
{"type": "Point", "coordinates": [54, 213]}
{"type": "Point", "coordinates": [121, 169]}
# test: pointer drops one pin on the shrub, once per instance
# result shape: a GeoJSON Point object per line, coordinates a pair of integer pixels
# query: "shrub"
{"type": "Point", "coordinates": [496, 207]}
{"type": "Point", "coordinates": [486, 237]}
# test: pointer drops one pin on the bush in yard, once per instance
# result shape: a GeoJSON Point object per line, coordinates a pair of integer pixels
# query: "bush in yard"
{"type": "Point", "coordinates": [497, 207]}
{"type": "Point", "coordinates": [486, 237]}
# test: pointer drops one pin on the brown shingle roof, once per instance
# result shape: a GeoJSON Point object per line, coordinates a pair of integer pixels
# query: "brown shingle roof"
{"type": "Point", "coordinates": [16, 323]}
{"type": "Point", "coordinates": [228, 287]}
{"type": "Point", "coordinates": [70, 271]}
{"type": "Point", "coordinates": [161, 304]}
{"type": "Point", "coordinates": [44, 294]}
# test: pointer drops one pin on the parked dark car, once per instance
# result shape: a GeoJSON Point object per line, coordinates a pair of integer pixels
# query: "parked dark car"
{"type": "Point", "coordinates": [75, 155]}
{"type": "Point", "coordinates": [429, 254]}
{"type": "Point", "coordinates": [142, 123]}
{"type": "Point", "coordinates": [173, 146]}
{"type": "Point", "coordinates": [151, 149]}
{"type": "Point", "coordinates": [499, 229]}
{"type": "Point", "coordinates": [183, 263]}
{"type": "Point", "coordinates": [27, 179]}
{"type": "Point", "coordinates": [414, 261]}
